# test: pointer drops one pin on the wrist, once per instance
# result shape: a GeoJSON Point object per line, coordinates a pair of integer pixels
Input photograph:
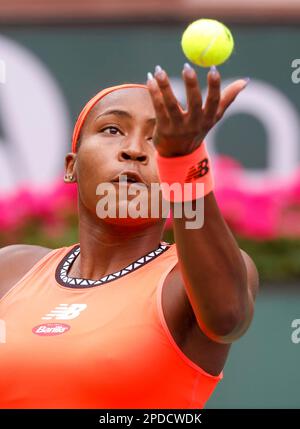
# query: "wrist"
{"type": "Point", "coordinates": [190, 175]}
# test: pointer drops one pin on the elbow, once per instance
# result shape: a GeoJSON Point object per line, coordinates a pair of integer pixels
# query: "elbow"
{"type": "Point", "coordinates": [229, 326]}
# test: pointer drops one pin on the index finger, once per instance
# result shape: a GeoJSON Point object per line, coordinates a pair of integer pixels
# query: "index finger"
{"type": "Point", "coordinates": [158, 102]}
{"type": "Point", "coordinates": [172, 105]}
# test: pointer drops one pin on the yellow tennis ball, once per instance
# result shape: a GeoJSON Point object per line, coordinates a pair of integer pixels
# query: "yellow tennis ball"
{"type": "Point", "coordinates": [207, 42]}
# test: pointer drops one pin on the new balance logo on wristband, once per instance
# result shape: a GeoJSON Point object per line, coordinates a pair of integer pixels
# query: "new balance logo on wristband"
{"type": "Point", "coordinates": [191, 169]}
{"type": "Point", "coordinates": [198, 170]}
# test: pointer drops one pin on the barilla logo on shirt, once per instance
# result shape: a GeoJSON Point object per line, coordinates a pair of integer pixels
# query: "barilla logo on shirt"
{"type": "Point", "coordinates": [49, 329]}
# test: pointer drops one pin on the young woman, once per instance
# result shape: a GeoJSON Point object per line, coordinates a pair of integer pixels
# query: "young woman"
{"type": "Point", "coordinates": [122, 319]}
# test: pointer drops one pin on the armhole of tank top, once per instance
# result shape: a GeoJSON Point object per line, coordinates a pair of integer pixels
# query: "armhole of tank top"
{"type": "Point", "coordinates": [167, 331]}
{"type": "Point", "coordinates": [32, 269]}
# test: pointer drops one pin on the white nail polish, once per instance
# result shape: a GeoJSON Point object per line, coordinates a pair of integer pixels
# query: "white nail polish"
{"type": "Point", "coordinates": [149, 76]}
{"type": "Point", "coordinates": [186, 66]}
{"type": "Point", "coordinates": [158, 69]}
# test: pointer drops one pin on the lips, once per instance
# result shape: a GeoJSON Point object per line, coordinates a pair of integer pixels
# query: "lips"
{"type": "Point", "coordinates": [129, 177]}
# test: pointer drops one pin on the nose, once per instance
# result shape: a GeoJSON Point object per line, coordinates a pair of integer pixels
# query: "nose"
{"type": "Point", "coordinates": [134, 152]}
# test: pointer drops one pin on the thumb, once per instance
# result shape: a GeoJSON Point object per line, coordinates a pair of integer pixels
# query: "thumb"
{"type": "Point", "coordinates": [229, 94]}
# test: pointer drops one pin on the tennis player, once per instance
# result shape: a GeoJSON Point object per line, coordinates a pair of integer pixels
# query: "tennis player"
{"type": "Point", "coordinates": [122, 319]}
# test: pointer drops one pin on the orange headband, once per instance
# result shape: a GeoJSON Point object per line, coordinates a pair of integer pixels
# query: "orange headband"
{"type": "Point", "coordinates": [90, 104]}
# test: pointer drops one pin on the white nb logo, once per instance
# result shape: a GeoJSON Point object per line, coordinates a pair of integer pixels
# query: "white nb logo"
{"type": "Point", "coordinates": [65, 312]}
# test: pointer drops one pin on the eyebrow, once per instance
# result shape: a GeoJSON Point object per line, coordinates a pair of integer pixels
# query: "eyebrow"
{"type": "Point", "coordinates": [121, 113]}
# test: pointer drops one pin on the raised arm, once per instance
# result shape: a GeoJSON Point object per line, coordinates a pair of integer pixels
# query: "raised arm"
{"type": "Point", "coordinates": [220, 280]}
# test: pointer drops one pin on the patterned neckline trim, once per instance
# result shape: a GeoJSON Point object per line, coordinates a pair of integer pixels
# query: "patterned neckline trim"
{"type": "Point", "coordinates": [63, 268]}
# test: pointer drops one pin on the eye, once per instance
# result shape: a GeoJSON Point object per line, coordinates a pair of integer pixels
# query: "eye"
{"type": "Point", "coordinates": [110, 130]}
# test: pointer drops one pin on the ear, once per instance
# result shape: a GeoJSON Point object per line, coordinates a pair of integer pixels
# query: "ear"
{"type": "Point", "coordinates": [70, 168]}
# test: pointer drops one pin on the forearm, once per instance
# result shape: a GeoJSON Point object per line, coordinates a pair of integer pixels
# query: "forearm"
{"type": "Point", "coordinates": [214, 273]}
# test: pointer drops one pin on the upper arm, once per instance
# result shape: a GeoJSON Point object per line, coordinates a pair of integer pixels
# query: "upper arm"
{"type": "Point", "coordinates": [179, 307]}
{"type": "Point", "coordinates": [252, 289]}
{"type": "Point", "coordinates": [15, 261]}
{"type": "Point", "coordinates": [208, 354]}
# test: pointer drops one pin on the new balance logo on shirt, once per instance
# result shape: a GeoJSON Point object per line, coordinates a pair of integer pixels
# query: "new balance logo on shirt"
{"type": "Point", "coordinates": [65, 312]}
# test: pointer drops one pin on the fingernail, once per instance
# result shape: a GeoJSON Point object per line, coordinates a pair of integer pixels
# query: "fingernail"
{"type": "Point", "coordinates": [189, 71]}
{"type": "Point", "coordinates": [158, 69]}
{"type": "Point", "coordinates": [186, 66]}
{"type": "Point", "coordinates": [159, 73]}
{"type": "Point", "coordinates": [213, 69]}
{"type": "Point", "coordinates": [247, 80]}
{"type": "Point", "coordinates": [150, 76]}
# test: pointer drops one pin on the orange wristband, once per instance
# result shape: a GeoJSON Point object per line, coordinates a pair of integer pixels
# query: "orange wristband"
{"type": "Point", "coordinates": [192, 174]}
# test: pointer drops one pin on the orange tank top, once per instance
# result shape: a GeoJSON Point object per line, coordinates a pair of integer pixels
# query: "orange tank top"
{"type": "Point", "coordinates": [77, 343]}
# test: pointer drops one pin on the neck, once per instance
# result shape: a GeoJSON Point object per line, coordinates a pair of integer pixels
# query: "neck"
{"type": "Point", "coordinates": [106, 247]}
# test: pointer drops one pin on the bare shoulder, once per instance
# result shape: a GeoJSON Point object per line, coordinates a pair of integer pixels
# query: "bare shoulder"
{"type": "Point", "coordinates": [15, 261]}
{"type": "Point", "coordinates": [22, 252]}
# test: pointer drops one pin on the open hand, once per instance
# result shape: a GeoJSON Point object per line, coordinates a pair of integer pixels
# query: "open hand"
{"type": "Point", "coordinates": [179, 132]}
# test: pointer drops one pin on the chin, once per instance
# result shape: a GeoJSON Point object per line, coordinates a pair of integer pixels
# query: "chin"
{"type": "Point", "coordinates": [130, 222]}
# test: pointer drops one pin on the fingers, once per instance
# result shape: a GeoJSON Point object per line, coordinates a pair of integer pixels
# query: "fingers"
{"type": "Point", "coordinates": [171, 103]}
{"type": "Point", "coordinates": [213, 96]}
{"type": "Point", "coordinates": [229, 94]}
{"type": "Point", "coordinates": [162, 116]}
{"type": "Point", "coordinates": [197, 118]}
{"type": "Point", "coordinates": [193, 93]}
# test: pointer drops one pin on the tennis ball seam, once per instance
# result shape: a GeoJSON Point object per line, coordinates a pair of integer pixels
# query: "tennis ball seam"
{"type": "Point", "coordinates": [211, 43]}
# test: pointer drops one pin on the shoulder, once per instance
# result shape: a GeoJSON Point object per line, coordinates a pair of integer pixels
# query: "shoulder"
{"type": "Point", "coordinates": [15, 261]}
{"type": "Point", "coordinates": [22, 252]}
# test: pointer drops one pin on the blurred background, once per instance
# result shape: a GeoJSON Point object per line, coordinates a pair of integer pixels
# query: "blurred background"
{"type": "Point", "coordinates": [56, 54]}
